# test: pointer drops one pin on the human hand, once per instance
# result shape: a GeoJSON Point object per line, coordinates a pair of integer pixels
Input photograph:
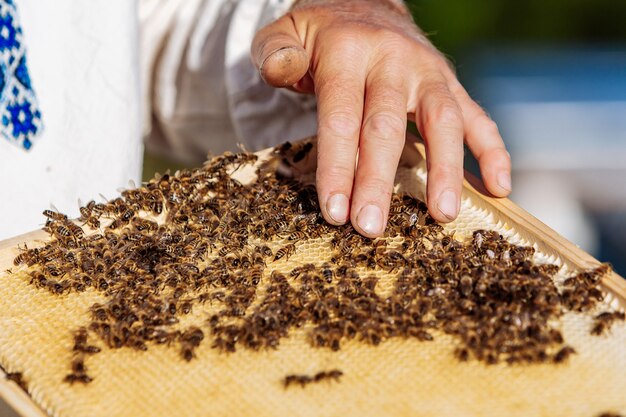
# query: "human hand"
{"type": "Point", "coordinates": [371, 68]}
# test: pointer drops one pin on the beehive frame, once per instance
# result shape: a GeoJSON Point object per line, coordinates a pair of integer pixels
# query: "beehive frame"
{"type": "Point", "coordinates": [529, 228]}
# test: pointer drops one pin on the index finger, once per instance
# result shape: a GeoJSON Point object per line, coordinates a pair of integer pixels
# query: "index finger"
{"type": "Point", "coordinates": [340, 92]}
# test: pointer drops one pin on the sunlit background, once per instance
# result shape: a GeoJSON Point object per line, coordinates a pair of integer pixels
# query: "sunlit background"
{"type": "Point", "coordinates": [552, 74]}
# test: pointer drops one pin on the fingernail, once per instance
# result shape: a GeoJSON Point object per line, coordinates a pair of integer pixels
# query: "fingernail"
{"type": "Point", "coordinates": [504, 180]}
{"type": "Point", "coordinates": [370, 220]}
{"type": "Point", "coordinates": [448, 205]}
{"type": "Point", "coordinates": [337, 208]}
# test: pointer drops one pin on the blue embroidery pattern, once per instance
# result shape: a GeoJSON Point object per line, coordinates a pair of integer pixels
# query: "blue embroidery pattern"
{"type": "Point", "coordinates": [20, 118]}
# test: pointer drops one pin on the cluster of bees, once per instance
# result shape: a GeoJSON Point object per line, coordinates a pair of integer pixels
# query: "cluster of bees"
{"type": "Point", "coordinates": [200, 239]}
{"type": "Point", "coordinates": [304, 380]}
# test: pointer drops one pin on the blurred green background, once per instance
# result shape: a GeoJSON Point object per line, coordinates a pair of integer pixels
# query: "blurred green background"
{"type": "Point", "coordinates": [454, 25]}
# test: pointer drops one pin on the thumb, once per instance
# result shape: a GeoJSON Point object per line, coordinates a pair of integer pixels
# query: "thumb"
{"type": "Point", "coordinates": [278, 53]}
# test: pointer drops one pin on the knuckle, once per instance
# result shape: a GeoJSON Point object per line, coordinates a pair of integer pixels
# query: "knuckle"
{"type": "Point", "coordinates": [342, 124]}
{"type": "Point", "coordinates": [491, 127]}
{"type": "Point", "coordinates": [393, 41]}
{"type": "Point", "coordinates": [434, 85]}
{"type": "Point", "coordinates": [445, 64]}
{"type": "Point", "coordinates": [446, 112]}
{"type": "Point", "coordinates": [385, 125]}
{"type": "Point", "coordinates": [440, 107]}
{"type": "Point", "coordinates": [344, 42]}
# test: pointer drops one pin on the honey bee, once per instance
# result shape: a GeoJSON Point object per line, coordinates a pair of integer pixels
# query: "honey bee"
{"type": "Point", "coordinates": [99, 209]}
{"type": "Point", "coordinates": [155, 206]}
{"type": "Point", "coordinates": [327, 273]}
{"type": "Point", "coordinates": [126, 216]}
{"type": "Point", "coordinates": [54, 215]}
{"type": "Point", "coordinates": [164, 337]}
{"type": "Point", "coordinates": [258, 259]}
{"type": "Point", "coordinates": [466, 285]}
{"type": "Point", "coordinates": [18, 378]}
{"type": "Point", "coordinates": [462, 354]}
{"type": "Point", "coordinates": [60, 231]}
{"type": "Point", "coordinates": [421, 335]}
{"type": "Point", "coordinates": [137, 344]}
{"type": "Point", "coordinates": [302, 152]}
{"type": "Point", "coordinates": [80, 378]}
{"type": "Point", "coordinates": [301, 380]}
{"type": "Point", "coordinates": [142, 224]}
{"type": "Point", "coordinates": [297, 271]}
{"type": "Point", "coordinates": [22, 258]}
{"type": "Point", "coordinates": [446, 240]}
{"type": "Point", "coordinates": [283, 148]}
{"type": "Point", "coordinates": [563, 354]}
{"type": "Point", "coordinates": [218, 295]}
{"type": "Point", "coordinates": [76, 231]}
{"type": "Point", "coordinates": [115, 224]}
{"type": "Point", "coordinates": [86, 211]}
{"type": "Point", "coordinates": [78, 365]}
{"type": "Point", "coordinates": [185, 306]}
{"type": "Point", "coordinates": [224, 345]}
{"type": "Point", "coordinates": [256, 275]}
{"type": "Point", "coordinates": [334, 374]}
{"type": "Point", "coordinates": [603, 321]}
{"type": "Point", "coordinates": [266, 251]}
{"type": "Point", "coordinates": [225, 250]}
{"type": "Point", "coordinates": [93, 222]}
{"type": "Point", "coordinates": [285, 252]}
{"type": "Point", "coordinates": [80, 345]}
{"type": "Point", "coordinates": [299, 235]}
{"type": "Point", "coordinates": [99, 312]}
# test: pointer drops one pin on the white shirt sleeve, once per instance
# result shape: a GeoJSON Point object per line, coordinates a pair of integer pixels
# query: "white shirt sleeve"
{"type": "Point", "coordinates": [81, 59]}
{"type": "Point", "coordinates": [202, 92]}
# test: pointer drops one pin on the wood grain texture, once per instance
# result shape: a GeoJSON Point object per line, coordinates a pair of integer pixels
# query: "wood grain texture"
{"type": "Point", "coordinates": [19, 400]}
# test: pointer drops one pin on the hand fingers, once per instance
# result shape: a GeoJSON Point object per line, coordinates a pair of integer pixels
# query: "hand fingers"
{"type": "Point", "coordinates": [485, 143]}
{"type": "Point", "coordinates": [382, 140]}
{"type": "Point", "coordinates": [440, 122]}
{"type": "Point", "coordinates": [278, 53]}
{"type": "Point", "coordinates": [339, 92]}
